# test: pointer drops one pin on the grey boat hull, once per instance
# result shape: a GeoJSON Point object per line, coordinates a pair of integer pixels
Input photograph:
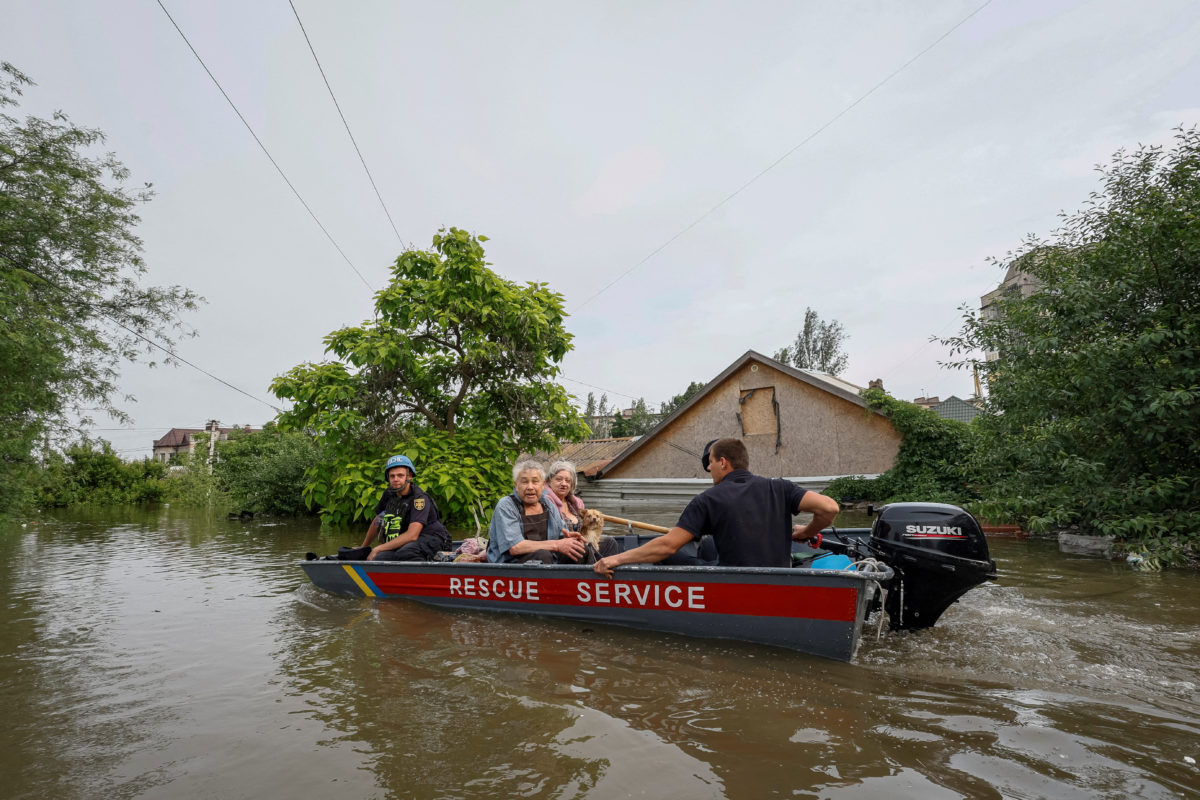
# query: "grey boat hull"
{"type": "Point", "coordinates": [814, 611]}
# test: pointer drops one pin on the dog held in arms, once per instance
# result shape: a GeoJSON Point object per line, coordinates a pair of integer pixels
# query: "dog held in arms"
{"type": "Point", "coordinates": [591, 528]}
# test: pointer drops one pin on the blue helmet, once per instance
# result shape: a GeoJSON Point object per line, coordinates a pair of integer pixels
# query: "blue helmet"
{"type": "Point", "coordinates": [399, 461]}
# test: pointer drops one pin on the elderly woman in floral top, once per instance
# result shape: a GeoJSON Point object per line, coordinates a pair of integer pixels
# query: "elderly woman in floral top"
{"type": "Point", "coordinates": [561, 483]}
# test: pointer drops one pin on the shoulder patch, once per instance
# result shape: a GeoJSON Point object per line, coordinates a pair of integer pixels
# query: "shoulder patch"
{"type": "Point", "coordinates": [419, 503]}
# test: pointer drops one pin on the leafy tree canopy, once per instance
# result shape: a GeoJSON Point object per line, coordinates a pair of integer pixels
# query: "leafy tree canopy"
{"type": "Point", "coordinates": [818, 346]}
{"type": "Point", "coordinates": [637, 423]}
{"type": "Point", "coordinates": [71, 303]}
{"type": "Point", "coordinates": [1095, 396]}
{"type": "Point", "coordinates": [668, 407]}
{"type": "Point", "coordinates": [264, 471]}
{"type": "Point", "coordinates": [455, 354]}
{"type": "Point", "coordinates": [89, 472]}
{"type": "Point", "coordinates": [935, 462]}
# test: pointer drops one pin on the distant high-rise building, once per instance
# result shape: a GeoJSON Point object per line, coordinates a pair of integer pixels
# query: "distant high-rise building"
{"type": "Point", "coordinates": [1016, 282]}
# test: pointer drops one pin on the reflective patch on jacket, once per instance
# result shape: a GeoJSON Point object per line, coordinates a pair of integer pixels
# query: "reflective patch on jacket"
{"type": "Point", "coordinates": [393, 526]}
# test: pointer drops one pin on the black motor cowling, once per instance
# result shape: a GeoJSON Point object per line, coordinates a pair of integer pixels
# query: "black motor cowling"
{"type": "Point", "coordinates": [938, 552]}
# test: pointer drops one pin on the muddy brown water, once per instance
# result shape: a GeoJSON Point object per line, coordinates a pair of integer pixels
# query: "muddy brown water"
{"type": "Point", "coordinates": [166, 654]}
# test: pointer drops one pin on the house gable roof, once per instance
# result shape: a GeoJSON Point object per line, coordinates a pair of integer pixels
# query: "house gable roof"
{"type": "Point", "coordinates": [956, 408]}
{"type": "Point", "coordinates": [176, 437]}
{"type": "Point", "coordinates": [819, 380]}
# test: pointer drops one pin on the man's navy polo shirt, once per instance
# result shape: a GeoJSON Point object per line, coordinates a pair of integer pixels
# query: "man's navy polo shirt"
{"type": "Point", "coordinates": [749, 518]}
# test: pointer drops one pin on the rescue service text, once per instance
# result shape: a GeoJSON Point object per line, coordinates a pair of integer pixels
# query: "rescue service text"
{"type": "Point", "coordinates": [640, 595]}
{"type": "Point", "coordinates": [635, 594]}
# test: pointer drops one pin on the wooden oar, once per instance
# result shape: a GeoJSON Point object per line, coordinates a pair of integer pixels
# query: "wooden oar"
{"type": "Point", "coordinates": [646, 526]}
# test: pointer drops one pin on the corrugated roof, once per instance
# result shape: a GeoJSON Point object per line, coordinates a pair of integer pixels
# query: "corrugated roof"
{"type": "Point", "coordinates": [589, 456]}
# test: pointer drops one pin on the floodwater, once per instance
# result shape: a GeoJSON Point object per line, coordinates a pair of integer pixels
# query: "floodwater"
{"type": "Point", "coordinates": [163, 654]}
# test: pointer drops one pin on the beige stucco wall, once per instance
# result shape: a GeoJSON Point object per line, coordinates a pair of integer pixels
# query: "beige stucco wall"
{"type": "Point", "coordinates": [822, 433]}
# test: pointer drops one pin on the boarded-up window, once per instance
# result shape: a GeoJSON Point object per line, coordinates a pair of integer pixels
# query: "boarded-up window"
{"type": "Point", "coordinates": [759, 412]}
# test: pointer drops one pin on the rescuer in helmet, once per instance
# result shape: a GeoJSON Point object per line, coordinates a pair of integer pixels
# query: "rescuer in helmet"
{"type": "Point", "coordinates": [407, 524]}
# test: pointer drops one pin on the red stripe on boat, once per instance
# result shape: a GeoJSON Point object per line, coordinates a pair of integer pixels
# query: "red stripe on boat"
{"type": "Point", "coordinates": [834, 603]}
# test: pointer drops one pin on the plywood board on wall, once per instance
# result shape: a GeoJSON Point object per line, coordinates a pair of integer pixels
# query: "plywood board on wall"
{"type": "Point", "coordinates": [758, 411]}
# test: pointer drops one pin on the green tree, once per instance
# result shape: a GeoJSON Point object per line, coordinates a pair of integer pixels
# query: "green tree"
{"type": "Point", "coordinates": [818, 346]}
{"type": "Point", "coordinates": [619, 427]}
{"type": "Point", "coordinates": [71, 305]}
{"type": "Point", "coordinates": [639, 421]}
{"type": "Point", "coordinates": [642, 420]}
{"type": "Point", "coordinates": [88, 472]}
{"type": "Point", "coordinates": [668, 407]}
{"type": "Point", "coordinates": [1094, 400]}
{"type": "Point", "coordinates": [600, 420]}
{"type": "Point", "coordinates": [456, 361]}
{"type": "Point", "coordinates": [935, 462]}
{"type": "Point", "coordinates": [191, 485]}
{"type": "Point", "coordinates": [264, 471]}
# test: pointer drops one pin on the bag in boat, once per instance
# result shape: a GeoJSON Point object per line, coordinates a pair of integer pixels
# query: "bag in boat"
{"type": "Point", "coordinates": [831, 561]}
{"type": "Point", "coordinates": [353, 553]}
{"type": "Point", "coordinates": [473, 549]}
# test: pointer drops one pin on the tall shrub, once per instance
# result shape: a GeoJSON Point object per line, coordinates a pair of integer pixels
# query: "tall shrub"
{"type": "Point", "coordinates": [1094, 400]}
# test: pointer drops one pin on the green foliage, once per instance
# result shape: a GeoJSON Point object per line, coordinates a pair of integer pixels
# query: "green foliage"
{"type": "Point", "coordinates": [90, 473]}
{"type": "Point", "coordinates": [263, 471]}
{"type": "Point", "coordinates": [694, 388]}
{"type": "Point", "coordinates": [455, 359]}
{"type": "Point", "coordinates": [934, 464]}
{"type": "Point", "coordinates": [71, 305]}
{"type": "Point", "coordinates": [1095, 396]}
{"type": "Point", "coordinates": [191, 485]}
{"type": "Point", "coordinates": [619, 427]}
{"type": "Point", "coordinates": [857, 488]}
{"type": "Point", "coordinates": [637, 423]}
{"type": "Point", "coordinates": [598, 417]}
{"type": "Point", "coordinates": [465, 474]}
{"type": "Point", "coordinates": [818, 346]}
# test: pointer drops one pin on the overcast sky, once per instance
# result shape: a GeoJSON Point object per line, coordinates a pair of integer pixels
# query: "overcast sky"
{"type": "Point", "coordinates": [583, 137]}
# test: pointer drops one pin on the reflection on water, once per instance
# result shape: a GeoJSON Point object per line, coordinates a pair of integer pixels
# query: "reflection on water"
{"type": "Point", "coordinates": [164, 654]}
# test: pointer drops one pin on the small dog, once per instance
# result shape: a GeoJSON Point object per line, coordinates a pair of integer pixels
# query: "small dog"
{"type": "Point", "coordinates": [591, 526]}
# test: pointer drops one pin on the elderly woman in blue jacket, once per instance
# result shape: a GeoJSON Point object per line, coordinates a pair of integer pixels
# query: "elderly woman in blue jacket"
{"type": "Point", "coordinates": [526, 527]}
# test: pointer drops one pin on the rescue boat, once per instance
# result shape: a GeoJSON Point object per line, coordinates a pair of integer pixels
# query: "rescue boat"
{"type": "Point", "coordinates": [915, 561]}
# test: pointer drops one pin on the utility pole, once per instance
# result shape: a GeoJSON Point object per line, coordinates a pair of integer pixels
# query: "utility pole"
{"type": "Point", "coordinates": [212, 443]}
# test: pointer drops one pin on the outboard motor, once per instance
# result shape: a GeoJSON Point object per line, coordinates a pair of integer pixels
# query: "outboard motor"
{"type": "Point", "coordinates": [938, 552]}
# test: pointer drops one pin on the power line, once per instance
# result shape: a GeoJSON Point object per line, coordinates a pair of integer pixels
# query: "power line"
{"type": "Point", "coordinates": [346, 124]}
{"type": "Point", "coordinates": [784, 157]}
{"type": "Point", "coordinates": [154, 428]}
{"type": "Point", "coordinates": [264, 148]}
{"type": "Point", "coordinates": [193, 366]}
{"type": "Point", "coordinates": [601, 388]}
{"type": "Point", "coordinates": [152, 343]}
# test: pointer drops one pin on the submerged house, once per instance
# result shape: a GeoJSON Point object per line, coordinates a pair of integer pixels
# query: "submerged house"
{"type": "Point", "coordinates": [798, 424]}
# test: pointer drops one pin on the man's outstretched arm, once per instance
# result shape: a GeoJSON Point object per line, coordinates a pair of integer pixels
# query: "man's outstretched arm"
{"type": "Point", "coordinates": [651, 552]}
